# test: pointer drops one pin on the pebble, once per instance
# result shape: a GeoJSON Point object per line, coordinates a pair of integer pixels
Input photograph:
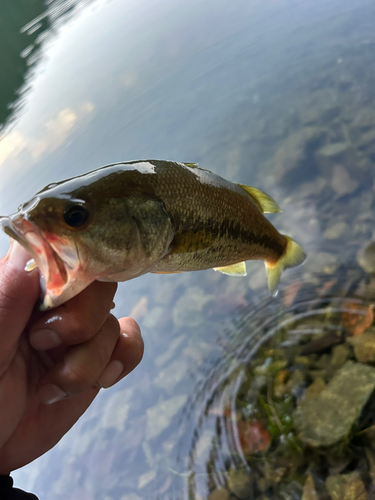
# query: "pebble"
{"type": "Point", "coordinates": [346, 487]}
{"type": "Point", "coordinates": [309, 492]}
{"type": "Point", "coordinates": [364, 346]}
{"type": "Point", "coordinates": [366, 257]}
{"type": "Point", "coordinates": [220, 494]}
{"type": "Point", "coordinates": [329, 417]}
{"type": "Point", "coordinates": [240, 483]}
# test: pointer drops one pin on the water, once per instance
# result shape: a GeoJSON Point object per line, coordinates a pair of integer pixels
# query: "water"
{"type": "Point", "coordinates": [256, 92]}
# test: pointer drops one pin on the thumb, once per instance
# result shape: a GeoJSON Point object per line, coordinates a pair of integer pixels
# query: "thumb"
{"type": "Point", "coordinates": [19, 291]}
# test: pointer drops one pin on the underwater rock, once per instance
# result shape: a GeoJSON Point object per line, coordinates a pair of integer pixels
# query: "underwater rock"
{"type": "Point", "coordinates": [340, 354]}
{"type": "Point", "coordinates": [367, 140]}
{"type": "Point", "coordinates": [253, 436]}
{"type": "Point", "coordinates": [220, 494]}
{"type": "Point", "coordinates": [364, 119]}
{"type": "Point", "coordinates": [370, 455]}
{"type": "Point", "coordinates": [364, 346]}
{"type": "Point", "coordinates": [309, 491]}
{"type": "Point", "coordinates": [240, 483]}
{"type": "Point", "coordinates": [366, 257]}
{"type": "Point", "coordinates": [333, 151]}
{"type": "Point", "coordinates": [368, 437]}
{"type": "Point", "coordinates": [293, 158]}
{"type": "Point", "coordinates": [327, 418]}
{"type": "Point", "coordinates": [314, 389]}
{"type": "Point", "coordinates": [323, 262]}
{"type": "Point", "coordinates": [346, 487]}
{"type": "Point", "coordinates": [357, 318]}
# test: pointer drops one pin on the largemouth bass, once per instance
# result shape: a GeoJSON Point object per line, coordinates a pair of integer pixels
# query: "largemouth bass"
{"type": "Point", "coordinates": [127, 219]}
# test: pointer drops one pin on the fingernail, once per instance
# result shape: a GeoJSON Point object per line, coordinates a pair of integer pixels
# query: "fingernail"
{"type": "Point", "coordinates": [18, 257]}
{"type": "Point", "coordinates": [42, 340]}
{"type": "Point", "coordinates": [50, 393]}
{"type": "Point", "coordinates": [111, 374]}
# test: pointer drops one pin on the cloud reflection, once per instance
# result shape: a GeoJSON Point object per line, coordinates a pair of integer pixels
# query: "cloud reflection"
{"type": "Point", "coordinates": [54, 134]}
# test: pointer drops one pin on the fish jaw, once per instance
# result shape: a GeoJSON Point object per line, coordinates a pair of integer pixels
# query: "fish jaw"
{"type": "Point", "coordinates": [61, 273]}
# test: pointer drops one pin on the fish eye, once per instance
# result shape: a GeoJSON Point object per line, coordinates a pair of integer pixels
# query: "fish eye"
{"type": "Point", "coordinates": [76, 216]}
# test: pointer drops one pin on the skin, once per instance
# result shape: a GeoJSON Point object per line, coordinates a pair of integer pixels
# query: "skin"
{"type": "Point", "coordinates": [53, 364]}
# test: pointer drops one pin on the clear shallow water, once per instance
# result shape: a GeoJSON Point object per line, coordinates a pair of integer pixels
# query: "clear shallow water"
{"type": "Point", "coordinates": [252, 91]}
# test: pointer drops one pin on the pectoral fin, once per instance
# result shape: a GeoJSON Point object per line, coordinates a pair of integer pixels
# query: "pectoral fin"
{"type": "Point", "coordinates": [265, 202]}
{"type": "Point", "coordinates": [238, 269]}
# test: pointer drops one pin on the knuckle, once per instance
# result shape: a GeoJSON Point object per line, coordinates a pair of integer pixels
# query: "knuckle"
{"type": "Point", "coordinates": [102, 355]}
{"type": "Point", "coordinates": [79, 331]}
{"type": "Point", "coordinates": [77, 379]}
{"type": "Point", "coordinates": [112, 323]}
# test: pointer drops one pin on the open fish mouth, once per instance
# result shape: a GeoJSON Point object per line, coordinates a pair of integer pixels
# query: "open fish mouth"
{"type": "Point", "coordinates": [56, 261]}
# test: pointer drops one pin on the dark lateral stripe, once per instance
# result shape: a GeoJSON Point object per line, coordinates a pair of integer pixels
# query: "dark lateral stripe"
{"type": "Point", "coordinates": [228, 229]}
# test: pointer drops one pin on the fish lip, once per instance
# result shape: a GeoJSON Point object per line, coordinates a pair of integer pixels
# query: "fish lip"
{"type": "Point", "coordinates": [52, 267]}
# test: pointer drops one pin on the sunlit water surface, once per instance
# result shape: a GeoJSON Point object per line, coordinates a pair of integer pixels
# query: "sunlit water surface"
{"type": "Point", "coordinates": [252, 91]}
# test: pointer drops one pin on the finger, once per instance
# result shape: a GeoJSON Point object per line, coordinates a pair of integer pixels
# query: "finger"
{"type": "Point", "coordinates": [126, 355]}
{"type": "Point", "coordinates": [19, 290]}
{"type": "Point", "coordinates": [76, 321]}
{"type": "Point", "coordinates": [82, 365]}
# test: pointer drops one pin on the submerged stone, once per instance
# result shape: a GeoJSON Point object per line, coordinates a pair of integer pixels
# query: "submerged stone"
{"type": "Point", "coordinates": [340, 354]}
{"type": "Point", "coordinates": [367, 140]}
{"type": "Point", "coordinates": [334, 150]}
{"type": "Point", "coordinates": [364, 119]}
{"type": "Point", "coordinates": [240, 483]}
{"type": "Point", "coordinates": [364, 346]}
{"type": "Point", "coordinates": [220, 494]}
{"type": "Point", "coordinates": [366, 257]}
{"type": "Point", "coordinates": [309, 491]}
{"type": "Point", "coordinates": [293, 158]}
{"type": "Point", "coordinates": [327, 418]}
{"type": "Point", "coordinates": [346, 487]}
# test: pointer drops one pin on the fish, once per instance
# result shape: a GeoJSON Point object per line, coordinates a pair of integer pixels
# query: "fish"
{"type": "Point", "coordinates": [127, 219]}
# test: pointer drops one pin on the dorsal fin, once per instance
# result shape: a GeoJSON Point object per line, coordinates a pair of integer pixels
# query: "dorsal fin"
{"type": "Point", "coordinates": [265, 202]}
{"type": "Point", "coordinates": [192, 165]}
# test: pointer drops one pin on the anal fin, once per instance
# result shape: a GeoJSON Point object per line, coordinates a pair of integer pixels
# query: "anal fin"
{"type": "Point", "coordinates": [238, 269]}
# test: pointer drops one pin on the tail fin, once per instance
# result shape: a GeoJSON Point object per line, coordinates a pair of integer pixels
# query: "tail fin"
{"type": "Point", "coordinates": [292, 256]}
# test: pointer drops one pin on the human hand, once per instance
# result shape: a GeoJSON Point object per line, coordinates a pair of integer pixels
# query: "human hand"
{"type": "Point", "coordinates": [53, 363]}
